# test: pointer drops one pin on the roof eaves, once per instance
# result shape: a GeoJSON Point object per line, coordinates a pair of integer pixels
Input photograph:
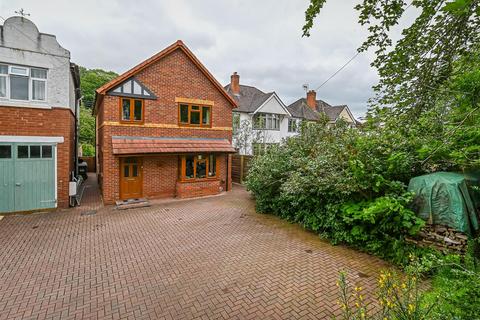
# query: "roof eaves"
{"type": "Point", "coordinates": [141, 66]}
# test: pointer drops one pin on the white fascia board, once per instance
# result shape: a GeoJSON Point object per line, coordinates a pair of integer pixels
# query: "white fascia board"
{"type": "Point", "coordinates": [350, 113]}
{"type": "Point", "coordinates": [274, 95]}
{"type": "Point", "coordinates": [26, 139]}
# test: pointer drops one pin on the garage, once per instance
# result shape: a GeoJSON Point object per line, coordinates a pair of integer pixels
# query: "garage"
{"type": "Point", "coordinates": [27, 176]}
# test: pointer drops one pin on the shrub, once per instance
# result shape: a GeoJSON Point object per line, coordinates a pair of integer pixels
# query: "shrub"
{"type": "Point", "coordinates": [453, 293]}
{"type": "Point", "coordinates": [88, 150]}
{"type": "Point", "coordinates": [339, 183]}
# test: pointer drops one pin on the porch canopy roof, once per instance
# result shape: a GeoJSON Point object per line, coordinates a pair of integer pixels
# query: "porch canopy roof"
{"type": "Point", "coordinates": [142, 145]}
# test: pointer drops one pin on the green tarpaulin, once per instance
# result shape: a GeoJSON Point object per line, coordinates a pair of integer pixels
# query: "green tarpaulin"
{"type": "Point", "coordinates": [447, 198]}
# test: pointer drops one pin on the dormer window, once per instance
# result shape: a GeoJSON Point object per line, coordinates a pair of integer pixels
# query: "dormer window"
{"type": "Point", "coordinates": [23, 83]}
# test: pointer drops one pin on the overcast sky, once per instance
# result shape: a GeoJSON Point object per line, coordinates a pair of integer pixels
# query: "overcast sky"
{"type": "Point", "coordinates": [261, 40]}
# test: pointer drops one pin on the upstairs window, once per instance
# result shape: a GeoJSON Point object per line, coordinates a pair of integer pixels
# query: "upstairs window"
{"type": "Point", "coordinates": [235, 121]}
{"type": "Point", "coordinates": [131, 110]}
{"type": "Point", "coordinates": [195, 115]}
{"type": "Point", "coordinates": [23, 83]}
{"type": "Point", "coordinates": [266, 121]}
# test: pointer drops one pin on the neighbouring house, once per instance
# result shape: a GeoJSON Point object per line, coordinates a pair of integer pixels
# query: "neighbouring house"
{"type": "Point", "coordinates": [303, 107]}
{"type": "Point", "coordinates": [260, 120]}
{"type": "Point", "coordinates": [164, 129]}
{"type": "Point", "coordinates": [39, 98]}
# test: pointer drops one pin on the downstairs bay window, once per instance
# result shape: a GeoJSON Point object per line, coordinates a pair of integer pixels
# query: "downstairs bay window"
{"type": "Point", "coordinates": [197, 167]}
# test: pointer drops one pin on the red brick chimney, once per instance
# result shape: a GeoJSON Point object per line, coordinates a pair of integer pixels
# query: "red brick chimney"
{"type": "Point", "coordinates": [312, 99]}
{"type": "Point", "coordinates": [235, 83]}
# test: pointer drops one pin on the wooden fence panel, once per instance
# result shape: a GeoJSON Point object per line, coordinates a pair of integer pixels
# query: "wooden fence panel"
{"type": "Point", "coordinates": [240, 166]}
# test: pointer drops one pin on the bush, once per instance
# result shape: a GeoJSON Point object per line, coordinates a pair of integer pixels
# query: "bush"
{"type": "Point", "coordinates": [454, 292]}
{"type": "Point", "coordinates": [88, 150]}
{"type": "Point", "coordinates": [455, 288]}
{"type": "Point", "coordinates": [338, 182]}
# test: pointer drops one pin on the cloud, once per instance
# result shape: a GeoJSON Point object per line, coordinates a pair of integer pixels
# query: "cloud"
{"type": "Point", "coordinates": [259, 39]}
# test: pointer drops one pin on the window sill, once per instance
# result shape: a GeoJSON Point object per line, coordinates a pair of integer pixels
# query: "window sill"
{"type": "Point", "coordinates": [198, 180]}
{"type": "Point", "coordinates": [138, 123]}
{"type": "Point", "coordinates": [24, 103]}
{"type": "Point", "coordinates": [260, 129]}
{"type": "Point", "coordinates": [193, 125]}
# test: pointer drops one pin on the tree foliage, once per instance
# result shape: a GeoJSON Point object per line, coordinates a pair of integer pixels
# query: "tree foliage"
{"type": "Point", "coordinates": [86, 132]}
{"type": "Point", "coordinates": [422, 61]}
{"type": "Point", "coordinates": [92, 79]}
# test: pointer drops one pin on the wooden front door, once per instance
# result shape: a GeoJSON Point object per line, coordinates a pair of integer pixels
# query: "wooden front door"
{"type": "Point", "coordinates": [131, 178]}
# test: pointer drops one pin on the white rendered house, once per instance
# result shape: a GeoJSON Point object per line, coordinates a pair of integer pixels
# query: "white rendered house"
{"type": "Point", "coordinates": [261, 119]}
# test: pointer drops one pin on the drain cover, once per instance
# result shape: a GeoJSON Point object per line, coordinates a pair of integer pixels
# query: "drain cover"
{"type": "Point", "coordinates": [88, 213]}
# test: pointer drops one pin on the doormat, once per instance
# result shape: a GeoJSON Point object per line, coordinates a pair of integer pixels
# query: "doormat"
{"type": "Point", "coordinates": [88, 213]}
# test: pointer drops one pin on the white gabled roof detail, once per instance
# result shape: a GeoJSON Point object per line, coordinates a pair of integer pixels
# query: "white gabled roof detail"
{"type": "Point", "coordinates": [273, 95]}
{"type": "Point", "coordinates": [132, 87]}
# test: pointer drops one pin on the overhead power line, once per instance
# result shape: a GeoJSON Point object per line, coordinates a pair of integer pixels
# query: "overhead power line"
{"type": "Point", "coordinates": [336, 72]}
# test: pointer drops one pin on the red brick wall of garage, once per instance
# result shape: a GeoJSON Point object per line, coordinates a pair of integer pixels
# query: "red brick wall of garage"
{"type": "Point", "coordinates": [173, 76]}
{"type": "Point", "coordinates": [45, 122]}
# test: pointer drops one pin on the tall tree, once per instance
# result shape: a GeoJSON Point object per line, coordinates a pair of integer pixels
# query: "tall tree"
{"type": "Point", "coordinates": [415, 68]}
{"type": "Point", "coordinates": [92, 79]}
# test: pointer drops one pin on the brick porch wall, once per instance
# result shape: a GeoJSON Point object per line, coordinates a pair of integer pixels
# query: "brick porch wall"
{"type": "Point", "coordinates": [59, 122]}
{"type": "Point", "coordinates": [160, 179]}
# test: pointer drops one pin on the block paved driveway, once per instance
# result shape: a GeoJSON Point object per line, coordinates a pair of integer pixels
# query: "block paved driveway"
{"type": "Point", "coordinates": [211, 258]}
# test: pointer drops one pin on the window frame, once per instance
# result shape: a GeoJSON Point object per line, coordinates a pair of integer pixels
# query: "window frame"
{"type": "Point", "coordinates": [28, 75]}
{"type": "Point", "coordinates": [269, 118]}
{"type": "Point", "coordinates": [132, 110]}
{"type": "Point", "coordinates": [206, 157]}
{"type": "Point", "coordinates": [236, 121]}
{"type": "Point", "coordinates": [294, 128]}
{"type": "Point", "coordinates": [259, 148]}
{"type": "Point", "coordinates": [44, 80]}
{"type": "Point", "coordinates": [200, 111]}
{"type": "Point", "coordinates": [28, 145]}
{"type": "Point", "coordinates": [5, 75]}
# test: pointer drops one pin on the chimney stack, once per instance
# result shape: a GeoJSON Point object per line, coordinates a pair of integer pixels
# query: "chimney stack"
{"type": "Point", "coordinates": [312, 99]}
{"type": "Point", "coordinates": [235, 83]}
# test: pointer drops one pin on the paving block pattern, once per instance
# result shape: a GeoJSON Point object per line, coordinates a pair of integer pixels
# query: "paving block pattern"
{"type": "Point", "coordinates": [211, 258]}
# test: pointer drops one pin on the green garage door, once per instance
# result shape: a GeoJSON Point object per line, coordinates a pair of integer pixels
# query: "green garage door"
{"type": "Point", "coordinates": [27, 176]}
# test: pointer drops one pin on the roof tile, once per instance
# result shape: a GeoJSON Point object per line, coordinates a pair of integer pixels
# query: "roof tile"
{"type": "Point", "coordinates": [139, 145]}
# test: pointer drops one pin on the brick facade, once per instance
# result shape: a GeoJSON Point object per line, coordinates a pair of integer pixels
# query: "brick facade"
{"type": "Point", "coordinates": [173, 76]}
{"type": "Point", "coordinates": [59, 122]}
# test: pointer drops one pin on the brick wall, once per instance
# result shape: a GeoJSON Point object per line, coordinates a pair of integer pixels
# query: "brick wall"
{"type": "Point", "coordinates": [197, 189]}
{"type": "Point", "coordinates": [45, 122]}
{"type": "Point", "coordinates": [173, 76]}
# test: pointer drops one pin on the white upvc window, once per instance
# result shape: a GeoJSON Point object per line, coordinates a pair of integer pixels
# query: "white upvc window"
{"type": "Point", "coordinates": [23, 83]}
{"type": "Point", "coordinates": [3, 80]}
{"type": "Point", "coordinates": [292, 125]}
{"type": "Point", "coordinates": [266, 121]}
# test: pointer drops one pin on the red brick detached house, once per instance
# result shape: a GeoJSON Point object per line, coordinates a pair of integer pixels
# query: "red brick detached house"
{"type": "Point", "coordinates": [164, 129]}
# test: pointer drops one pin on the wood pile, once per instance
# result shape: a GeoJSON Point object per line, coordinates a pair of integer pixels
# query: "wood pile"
{"type": "Point", "coordinates": [441, 238]}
